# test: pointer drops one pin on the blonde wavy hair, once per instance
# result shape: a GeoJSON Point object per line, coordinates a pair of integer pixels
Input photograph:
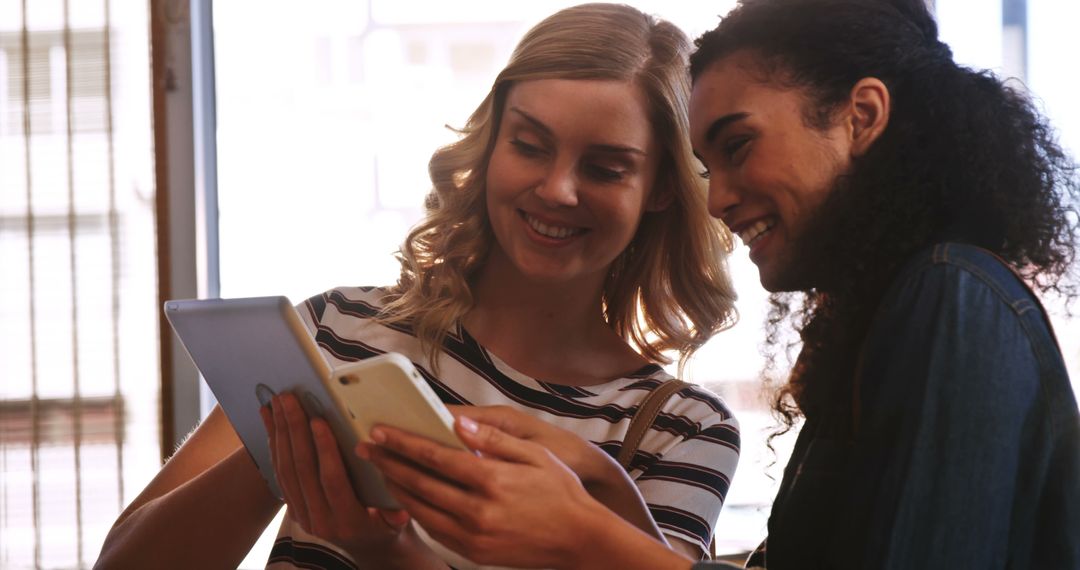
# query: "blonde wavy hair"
{"type": "Point", "coordinates": [669, 290]}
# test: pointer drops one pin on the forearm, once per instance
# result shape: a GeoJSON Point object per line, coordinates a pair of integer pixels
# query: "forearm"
{"type": "Point", "coordinates": [620, 495]}
{"type": "Point", "coordinates": [606, 541]}
{"type": "Point", "coordinates": [210, 521]}
{"type": "Point", "coordinates": [608, 483]}
{"type": "Point", "coordinates": [407, 553]}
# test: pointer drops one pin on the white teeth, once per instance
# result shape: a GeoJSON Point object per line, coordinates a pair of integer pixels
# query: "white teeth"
{"type": "Point", "coordinates": [754, 232]}
{"type": "Point", "coordinates": [556, 232]}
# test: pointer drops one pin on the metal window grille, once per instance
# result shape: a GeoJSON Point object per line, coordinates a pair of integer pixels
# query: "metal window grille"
{"type": "Point", "coordinates": [78, 331]}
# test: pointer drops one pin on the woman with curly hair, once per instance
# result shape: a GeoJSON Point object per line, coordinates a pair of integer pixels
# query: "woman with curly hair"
{"type": "Point", "coordinates": [567, 250]}
{"type": "Point", "coordinates": [901, 207]}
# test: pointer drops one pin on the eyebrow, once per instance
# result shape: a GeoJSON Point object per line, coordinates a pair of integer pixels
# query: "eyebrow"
{"type": "Point", "coordinates": [604, 148]}
{"type": "Point", "coordinates": [721, 124]}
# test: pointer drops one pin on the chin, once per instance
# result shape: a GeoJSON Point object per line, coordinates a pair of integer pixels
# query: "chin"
{"type": "Point", "coordinates": [543, 274]}
{"type": "Point", "coordinates": [771, 285]}
{"type": "Point", "coordinates": [776, 278]}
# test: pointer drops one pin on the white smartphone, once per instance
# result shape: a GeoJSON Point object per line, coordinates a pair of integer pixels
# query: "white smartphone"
{"type": "Point", "coordinates": [389, 390]}
{"type": "Point", "coordinates": [250, 349]}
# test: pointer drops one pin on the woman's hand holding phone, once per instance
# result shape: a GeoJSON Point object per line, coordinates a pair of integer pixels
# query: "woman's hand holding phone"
{"type": "Point", "coordinates": [510, 504]}
{"type": "Point", "coordinates": [507, 506]}
{"type": "Point", "coordinates": [599, 473]}
{"type": "Point", "coordinates": [320, 497]}
{"type": "Point", "coordinates": [592, 466]}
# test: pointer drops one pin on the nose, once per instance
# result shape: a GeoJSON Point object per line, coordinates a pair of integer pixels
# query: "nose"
{"type": "Point", "coordinates": [722, 197]}
{"type": "Point", "coordinates": [559, 188]}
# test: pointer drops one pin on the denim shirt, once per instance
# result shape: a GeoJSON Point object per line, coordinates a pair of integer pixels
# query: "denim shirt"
{"type": "Point", "coordinates": [967, 447]}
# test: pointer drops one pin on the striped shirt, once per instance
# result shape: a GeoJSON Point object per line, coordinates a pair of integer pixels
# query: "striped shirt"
{"type": "Point", "coordinates": [683, 466]}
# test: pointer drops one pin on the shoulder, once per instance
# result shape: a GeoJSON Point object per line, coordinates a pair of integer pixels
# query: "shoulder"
{"type": "Point", "coordinates": [699, 400]}
{"type": "Point", "coordinates": [362, 302]}
{"type": "Point", "coordinates": [954, 270]}
{"type": "Point", "coordinates": [958, 289]}
{"type": "Point", "coordinates": [958, 320]}
{"type": "Point", "coordinates": [346, 324]}
{"type": "Point", "coordinates": [697, 421]}
{"type": "Point", "coordinates": [686, 463]}
{"type": "Point", "coordinates": [716, 420]}
{"type": "Point", "coordinates": [718, 425]}
{"type": "Point", "coordinates": [696, 405]}
{"type": "Point", "coordinates": [966, 297]}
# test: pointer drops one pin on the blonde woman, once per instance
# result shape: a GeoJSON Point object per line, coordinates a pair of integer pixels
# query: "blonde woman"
{"type": "Point", "coordinates": [567, 249]}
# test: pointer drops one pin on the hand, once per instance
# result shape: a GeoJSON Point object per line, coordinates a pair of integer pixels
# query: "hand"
{"type": "Point", "coordinates": [516, 505]}
{"type": "Point", "coordinates": [600, 474]}
{"type": "Point", "coordinates": [588, 462]}
{"type": "Point", "coordinates": [317, 489]}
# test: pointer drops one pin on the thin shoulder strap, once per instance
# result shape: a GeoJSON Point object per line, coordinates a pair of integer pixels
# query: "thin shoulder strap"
{"type": "Point", "coordinates": [641, 422]}
{"type": "Point", "coordinates": [644, 417]}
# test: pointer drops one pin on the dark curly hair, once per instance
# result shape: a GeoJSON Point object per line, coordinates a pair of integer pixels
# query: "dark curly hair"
{"type": "Point", "coordinates": [964, 158]}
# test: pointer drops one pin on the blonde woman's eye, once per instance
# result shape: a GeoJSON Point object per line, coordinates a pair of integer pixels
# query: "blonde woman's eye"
{"type": "Point", "coordinates": [526, 149]}
{"type": "Point", "coordinates": [704, 173]}
{"type": "Point", "coordinates": [603, 173]}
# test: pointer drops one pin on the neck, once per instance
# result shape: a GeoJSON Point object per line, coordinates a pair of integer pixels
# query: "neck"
{"type": "Point", "coordinates": [514, 306]}
{"type": "Point", "coordinates": [552, 331]}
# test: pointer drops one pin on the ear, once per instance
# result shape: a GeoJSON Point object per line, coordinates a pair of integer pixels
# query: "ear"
{"type": "Point", "coordinates": [870, 105]}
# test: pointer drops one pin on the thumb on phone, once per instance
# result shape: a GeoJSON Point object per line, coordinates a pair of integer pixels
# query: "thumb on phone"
{"type": "Point", "coordinates": [504, 418]}
{"type": "Point", "coordinates": [491, 441]}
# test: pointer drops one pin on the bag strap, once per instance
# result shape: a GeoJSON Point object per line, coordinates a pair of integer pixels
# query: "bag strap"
{"type": "Point", "coordinates": [643, 420]}
{"type": "Point", "coordinates": [644, 417]}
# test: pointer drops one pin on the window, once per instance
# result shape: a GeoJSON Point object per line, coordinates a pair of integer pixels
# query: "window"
{"type": "Point", "coordinates": [417, 66]}
{"type": "Point", "coordinates": [324, 134]}
{"type": "Point", "coordinates": [78, 327]}
{"type": "Point", "coordinates": [47, 92]}
{"type": "Point", "coordinates": [349, 162]}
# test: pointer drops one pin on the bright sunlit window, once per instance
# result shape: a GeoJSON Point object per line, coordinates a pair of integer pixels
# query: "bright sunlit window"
{"type": "Point", "coordinates": [79, 385]}
{"type": "Point", "coordinates": [327, 116]}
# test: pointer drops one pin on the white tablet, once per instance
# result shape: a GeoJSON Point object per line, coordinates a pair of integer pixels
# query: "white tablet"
{"type": "Point", "coordinates": [250, 349]}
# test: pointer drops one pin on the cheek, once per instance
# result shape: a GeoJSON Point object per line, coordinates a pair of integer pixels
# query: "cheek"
{"type": "Point", "coordinates": [499, 180]}
{"type": "Point", "coordinates": [626, 214]}
{"type": "Point", "coordinates": [495, 196]}
{"type": "Point", "coordinates": [508, 176]}
{"type": "Point", "coordinates": [821, 177]}
{"type": "Point", "coordinates": [763, 184]}
{"type": "Point", "coordinates": [494, 172]}
{"type": "Point", "coordinates": [489, 200]}
{"type": "Point", "coordinates": [796, 185]}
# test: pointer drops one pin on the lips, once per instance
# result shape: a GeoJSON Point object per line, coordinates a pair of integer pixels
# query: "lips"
{"type": "Point", "coordinates": [755, 231]}
{"type": "Point", "coordinates": [552, 230]}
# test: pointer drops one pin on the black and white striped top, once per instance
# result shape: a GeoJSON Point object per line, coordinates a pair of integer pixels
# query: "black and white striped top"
{"type": "Point", "coordinates": [683, 466]}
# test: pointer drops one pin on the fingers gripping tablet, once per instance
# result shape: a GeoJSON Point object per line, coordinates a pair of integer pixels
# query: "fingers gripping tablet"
{"type": "Point", "coordinates": [250, 349]}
